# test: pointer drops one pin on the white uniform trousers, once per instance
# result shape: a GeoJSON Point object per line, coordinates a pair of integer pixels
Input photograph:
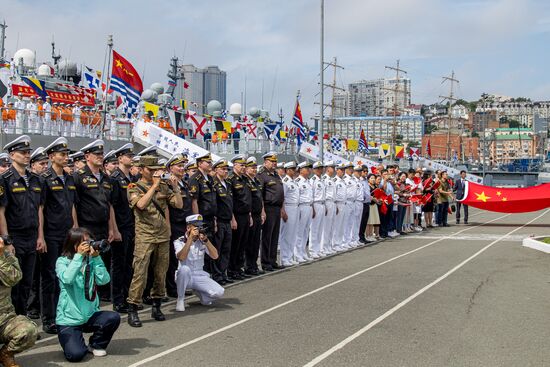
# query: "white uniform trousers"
{"type": "Point", "coordinates": [47, 124]}
{"type": "Point", "coordinates": [348, 223]}
{"type": "Point", "coordinates": [338, 227]}
{"type": "Point", "coordinates": [287, 241]}
{"type": "Point", "coordinates": [304, 223]}
{"type": "Point", "coordinates": [77, 127]}
{"type": "Point", "coordinates": [328, 226]}
{"type": "Point", "coordinates": [66, 129]}
{"type": "Point", "coordinates": [19, 122]}
{"type": "Point", "coordinates": [206, 288]}
{"type": "Point", "coordinates": [316, 230]}
{"type": "Point", "coordinates": [34, 123]}
{"type": "Point", "coordinates": [357, 214]}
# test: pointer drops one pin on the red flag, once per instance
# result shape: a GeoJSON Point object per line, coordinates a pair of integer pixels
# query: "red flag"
{"type": "Point", "coordinates": [124, 70]}
{"type": "Point", "coordinates": [507, 200]}
{"type": "Point", "coordinates": [185, 85]}
{"type": "Point", "coordinates": [428, 151]}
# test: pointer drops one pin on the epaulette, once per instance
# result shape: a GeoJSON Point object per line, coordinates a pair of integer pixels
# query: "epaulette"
{"type": "Point", "coordinates": [334, 179]}
{"type": "Point", "coordinates": [81, 172]}
{"type": "Point", "coordinates": [7, 174]}
{"type": "Point", "coordinates": [115, 174]}
{"type": "Point", "coordinates": [34, 174]}
{"type": "Point", "coordinates": [47, 174]}
{"type": "Point", "coordinates": [285, 179]}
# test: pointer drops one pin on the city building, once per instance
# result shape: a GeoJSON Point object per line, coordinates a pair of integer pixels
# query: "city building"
{"type": "Point", "coordinates": [507, 145]}
{"type": "Point", "coordinates": [380, 129]}
{"type": "Point", "coordinates": [524, 112]}
{"type": "Point", "coordinates": [341, 103]}
{"type": "Point", "coordinates": [482, 120]}
{"type": "Point", "coordinates": [204, 85]}
{"type": "Point", "coordinates": [377, 97]}
{"type": "Point", "coordinates": [461, 147]}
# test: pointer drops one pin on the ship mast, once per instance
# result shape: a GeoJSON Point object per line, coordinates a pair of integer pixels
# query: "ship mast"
{"type": "Point", "coordinates": [3, 27]}
{"type": "Point", "coordinates": [108, 67]}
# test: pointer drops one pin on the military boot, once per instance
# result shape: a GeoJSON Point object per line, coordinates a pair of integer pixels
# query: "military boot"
{"type": "Point", "coordinates": [7, 358]}
{"type": "Point", "coordinates": [156, 312]}
{"type": "Point", "coordinates": [133, 318]}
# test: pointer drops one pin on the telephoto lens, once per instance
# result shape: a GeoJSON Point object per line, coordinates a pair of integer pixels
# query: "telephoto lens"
{"type": "Point", "coordinates": [101, 246]}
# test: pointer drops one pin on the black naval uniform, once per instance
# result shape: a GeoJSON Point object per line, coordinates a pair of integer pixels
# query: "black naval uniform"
{"type": "Point", "coordinates": [122, 253]}
{"type": "Point", "coordinates": [224, 203]}
{"type": "Point", "coordinates": [201, 188]}
{"type": "Point", "coordinates": [178, 226]}
{"type": "Point", "coordinates": [254, 235]}
{"type": "Point", "coordinates": [59, 200]}
{"type": "Point", "coordinates": [21, 202]}
{"type": "Point", "coordinates": [242, 204]}
{"type": "Point", "coordinates": [93, 209]}
{"type": "Point", "coordinates": [273, 196]}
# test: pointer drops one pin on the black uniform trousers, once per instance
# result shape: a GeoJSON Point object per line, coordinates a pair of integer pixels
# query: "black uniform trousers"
{"type": "Point", "coordinates": [253, 249]}
{"type": "Point", "coordinates": [270, 235]}
{"type": "Point", "coordinates": [385, 221]}
{"type": "Point", "coordinates": [222, 242]}
{"type": "Point", "coordinates": [209, 227]}
{"type": "Point", "coordinates": [239, 242]}
{"type": "Point", "coordinates": [458, 206]}
{"type": "Point", "coordinates": [122, 255]}
{"type": "Point", "coordinates": [364, 220]}
{"type": "Point", "coordinates": [34, 296]}
{"type": "Point", "coordinates": [25, 250]}
{"type": "Point", "coordinates": [177, 230]}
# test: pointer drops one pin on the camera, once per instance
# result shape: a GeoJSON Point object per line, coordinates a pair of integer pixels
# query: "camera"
{"type": "Point", "coordinates": [165, 176]}
{"type": "Point", "coordinates": [101, 246]}
{"type": "Point", "coordinates": [7, 240]}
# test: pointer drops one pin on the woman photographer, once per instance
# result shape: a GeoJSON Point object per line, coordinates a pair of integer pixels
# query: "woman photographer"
{"type": "Point", "coordinates": [80, 271]}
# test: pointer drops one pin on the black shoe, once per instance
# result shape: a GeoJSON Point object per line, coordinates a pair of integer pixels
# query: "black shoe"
{"type": "Point", "coordinates": [245, 275]}
{"type": "Point", "coordinates": [133, 318]}
{"type": "Point", "coordinates": [121, 308]}
{"type": "Point", "coordinates": [445, 225]}
{"type": "Point", "coordinates": [228, 280]}
{"type": "Point", "coordinates": [166, 299]}
{"type": "Point", "coordinates": [268, 268]}
{"type": "Point", "coordinates": [172, 294]}
{"type": "Point", "coordinates": [49, 327]}
{"type": "Point", "coordinates": [252, 272]}
{"type": "Point", "coordinates": [465, 222]}
{"type": "Point", "coordinates": [188, 292]}
{"type": "Point", "coordinates": [277, 266]}
{"type": "Point", "coordinates": [156, 312]}
{"type": "Point", "coordinates": [221, 282]}
{"type": "Point", "coordinates": [260, 271]}
{"type": "Point", "coordinates": [140, 307]}
{"type": "Point", "coordinates": [33, 314]}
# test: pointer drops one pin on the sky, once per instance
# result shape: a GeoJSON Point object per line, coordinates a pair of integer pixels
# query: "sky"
{"type": "Point", "coordinates": [493, 46]}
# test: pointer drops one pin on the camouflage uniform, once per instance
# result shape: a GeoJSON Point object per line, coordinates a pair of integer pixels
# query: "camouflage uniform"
{"type": "Point", "coordinates": [17, 333]}
{"type": "Point", "coordinates": [152, 240]}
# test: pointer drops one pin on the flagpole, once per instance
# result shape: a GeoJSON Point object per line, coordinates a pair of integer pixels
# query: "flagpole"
{"type": "Point", "coordinates": [321, 105]}
{"type": "Point", "coordinates": [108, 85]}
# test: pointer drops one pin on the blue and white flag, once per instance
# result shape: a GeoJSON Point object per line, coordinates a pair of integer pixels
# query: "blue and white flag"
{"type": "Point", "coordinates": [335, 144]}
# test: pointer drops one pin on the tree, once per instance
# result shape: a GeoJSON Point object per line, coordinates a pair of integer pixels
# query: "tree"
{"type": "Point", "coordinates": [513, 124]}
{"type": "Point", "coordinates": [413, 144]}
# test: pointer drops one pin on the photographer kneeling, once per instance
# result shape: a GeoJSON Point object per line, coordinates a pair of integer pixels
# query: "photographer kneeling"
{"type": "Point", "coordinates": [190, 251]}
{"type": "Point", "coordinates": [80, 271]}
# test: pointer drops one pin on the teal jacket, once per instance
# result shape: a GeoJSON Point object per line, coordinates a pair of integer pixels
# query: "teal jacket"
{"type": "Point", "coordinates": [73, 308]}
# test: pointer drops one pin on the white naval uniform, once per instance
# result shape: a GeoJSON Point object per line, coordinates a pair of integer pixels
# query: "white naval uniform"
{"type": "Point", "coordinates": [47, 126]}
{"type": "Point", "coordinates": [77, 124]}
{"type": "Point", "coordinates": [357, 210]}
{"type": "Point", "coordinates": [19, 106]}
{"type": "Point", "coordinates": [348, 213]}
{"type": "Point", "coordinates": [32, 111]}
{"type": "Point", "coordinates": [316, 230]}
{"type": "Point", "coordinates": [328, 222]}
{"type": "Point", "coordinates": [190, 274]}
{"type": "Point", "coordinates": [289, 230]}
{"type": "Point", "coordinates": [305, 207]}
{"type": "Point", "coordinates": [338, 224]}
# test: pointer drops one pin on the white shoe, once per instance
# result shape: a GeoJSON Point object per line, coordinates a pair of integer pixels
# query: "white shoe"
{"type": "Point", "coordinates": [301, 260]}
{"type": "Point", "coordinates": [393, 234]}
{"type": "Point", "coordinates": [370, 239]}
{"type": "Point", "coordinates": [294, 262]}
{"type": "Point", "coordinates": [418, 229]}
{"type": "Point", "coordinates": [180, 305]}
{"type": "Point", "coordinates": [315, 256]}
{"type": "Point", "coordinates": [286, 264]}
{"type": "Point", "coordinates": [97, 352]}
{"type": "Point", "coordinates": [308, 258]}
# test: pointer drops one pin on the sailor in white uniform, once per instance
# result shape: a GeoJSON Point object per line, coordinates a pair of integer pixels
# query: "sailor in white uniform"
{"type": "Point", "coordinates": [350, 203]}
{"type": "Point", "coordinates": [340, 201]}
{"type": "Point", "coordinates": [305, 207]}
{"type": "Point", "coordinates": [287, 241]}
{"type": "Point", "coordinates": [327, 226]}
{"type": "Point", "coordinates": [316, 230]}
{"type": "Point", "coordinates": [77, 124]}
{"type": "Point", "coordinates": [19, 114]}
{"type": "Point", "coordinates": [32, 113]}
{"type": "Point", "coordinates": [47, 125]}
{"type": "Point", "coordinates": [190, 250]}
{"type": "Point", "coordinates": [357, 205]}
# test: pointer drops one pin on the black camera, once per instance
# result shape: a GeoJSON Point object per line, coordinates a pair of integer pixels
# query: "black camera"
{"type": "Point", "coordinates": [101, 246]}
{"type": "Point", "coordinates": [165, 176]}
{"type": "Point", "coordinates": [7, 240]}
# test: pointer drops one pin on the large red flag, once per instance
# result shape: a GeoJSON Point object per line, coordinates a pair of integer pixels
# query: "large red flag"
{"type": "Point", "coordinates": [507, 200]}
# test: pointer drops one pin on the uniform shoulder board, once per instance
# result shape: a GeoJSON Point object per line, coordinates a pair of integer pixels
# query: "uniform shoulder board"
{"type": "Point", "coordinates": [81, 171]}
{"type": "Point", "coordinates": [34, 174]}
{"type": "Point", "coordinates": [115, 174]}
{"type": "Point", "coordinates": [47, 174]}
{"type": "Point", "coordinates": [334, 179]}
{"type": "Point", "coordinates": [285, 179]}
{"type": "Point", "coordinates": [7, 174]}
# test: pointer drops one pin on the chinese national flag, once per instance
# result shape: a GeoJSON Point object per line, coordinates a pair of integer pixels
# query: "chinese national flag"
{"type": "Point", "coordinates": [507, 200]}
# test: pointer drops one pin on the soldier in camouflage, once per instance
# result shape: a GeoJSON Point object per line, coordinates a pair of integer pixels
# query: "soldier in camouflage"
{"type": "Point", "coordinates": [17, 332]}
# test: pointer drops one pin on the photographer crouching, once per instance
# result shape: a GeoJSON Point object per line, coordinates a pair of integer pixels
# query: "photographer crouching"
{"type": "Point", "coordinates": [190, 250]}
{"type": "Point", "coordinates": [81, 270]}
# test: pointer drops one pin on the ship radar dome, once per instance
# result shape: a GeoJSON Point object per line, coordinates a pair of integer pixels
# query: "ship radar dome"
{"type": "Point", "coordinates": [213, 106]}
{"type": "Point", "coordinates": [27, 55]}
{"type": "Point", "coordinates": [68, 68]}
{"type": "Point", "coordinates": [148, 95]}
{"type": "Point", "coordinates": [157, 87]}
{"type": "Point", "coordinates": [236, 110]}
{"type": "Point", "coordinates": [254, 112]}
{"type": "Point", "coordinates": [44, 70]}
